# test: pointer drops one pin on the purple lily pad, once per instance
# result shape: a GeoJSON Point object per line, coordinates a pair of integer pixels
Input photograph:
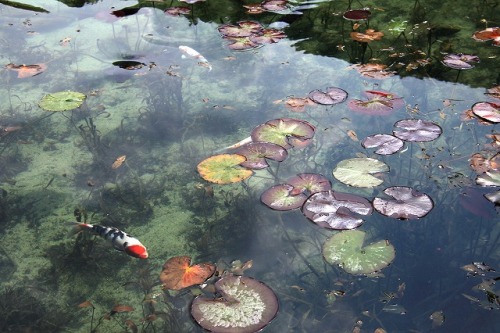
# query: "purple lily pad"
{"type": "Point", "coordinates": [241, 43]}
{"type": "Point", "coordinates": [335, 210]}
{"type": "Point", "coordinates": [330, 97]}
{"type": "Point", "coordinates": [459, 61]}
{"type": "Point", "coordinates": [407, 204]}
{"type": "Point", "coordinates": [283, 197]}
{"type": "Point", "coordinates": [357, 14]}
{"type": "Point", "coordinates": [379, 103]}
{"type": "Point", "coordinates": [257, 152]}
{"type": "Point", "coordinates": [268, 36]}
{"type": "Point", "coordinates": [243, 29]}
{"type": "Point", "coordinates": [386, 144]}
{"type": "Point", "coordinates": [283, 131]}
{"type": "Point", "coordinates": [417, 130]}
{"type": "Point", "coordinates": [310, 182]}
{"type": "Point", "coordinates": [488, 111]}
{"type": "Point", "coordinates": [274, 5]}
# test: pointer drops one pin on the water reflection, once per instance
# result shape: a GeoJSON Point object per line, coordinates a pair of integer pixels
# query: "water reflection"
{"type": "Point", "coordinates": [168, 117]}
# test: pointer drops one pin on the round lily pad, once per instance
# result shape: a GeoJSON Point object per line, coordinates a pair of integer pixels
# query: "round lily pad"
{"type": "Point", "coordinates": [224, 169]}
{"type": "Point", "coordinates": [488, 111]}
{"type": "Point", "coordinates": [256, 154]}
{"type": "Point", "coordinates": [242, 305]}
{"type": "Point", "coordinates": [283, 197]}
{"type": "Point", "coordinates": [310, 182]}
{"type": "Point", "coordinates": [331, 96]}
{"type": "Point", "coordinates": [407, 204]}
{"type": "Point", "coordinates": [359, 172]}
{"type": "Point", "coordinates": [417, 130]}
{"type": "Point", "coordinates": [386, 144]}
{"type": "Point", "coordinates": [460, 61]}
{"type": "Point", "coordinates": [335, 210]}
{"type": "Point", "coordinates": [62, 101]}
{"type": "Point", "coordinates": [281, 131]}
{"type": "Point", "coordinates": [379, 103]}
{"type": "Point", "coordinates": [346, 250]}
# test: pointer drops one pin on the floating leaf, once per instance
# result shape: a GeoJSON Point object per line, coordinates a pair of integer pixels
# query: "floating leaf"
{"type": "Point", "coordinates": [488, 111]}
{"type": "Point", "coordinates": [492, 33]}
{"type": "Point", "coordinates": [279, 131]}
{"type": "Point", "coordinates": [310, 182]}
{"type": "Point", "coordinates": [283, 197]}
{"type": "Point", "coordinates": [256, 154]}
{"type": "Point", "coordinates": [245, 305]}
{"type": "Point", "coordinates": [357, 14]}
{"type": "Point", "coordinates": [368, 36]}
{"type": "Point", "coordinates": [346, 250]}
{"type": "Point", "coordinates": [489, 179]}
{"type": "Point", "coordinates": [24, 71]}
{"type": "Point", "coordinates": [224, 169]}
{"type": "Point", "coordinates": [372, 70]}
{"type": "Point", "coordinates": [62, 101]}
{"type": "Point", "coordinates": [379, 103]}
{"type": "Point", "coordinates": [386, 144]}
{"type": "Point", "coordinates": [332, 96]}
{"type": "Point", "coordinates": [335, 210]}
{"type": "Point", "coordinates": [407, 204]}
{"type": "Point", "coordinates": [460, 61]}
{"type": "Point", "coordinates": [178, 274]}
{"type": "Point", "coordinates": [417, 130]}
{"type": "Point", "coordinates": [359, 172]}
{"type": "Point", "coordinates": [268, 36]}
{"type": "Point", "coordinates": [298, 104]}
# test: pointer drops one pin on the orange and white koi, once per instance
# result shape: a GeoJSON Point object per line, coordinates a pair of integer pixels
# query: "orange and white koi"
{"type": "Point", "coordinates": [202, 61]}
{"type": "Point", "coordinates": [237, 145]}
{"type": "Point", "coordinates": [120, 240]}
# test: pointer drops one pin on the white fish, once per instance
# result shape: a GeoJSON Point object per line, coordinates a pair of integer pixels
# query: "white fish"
{"type": "Point", "coordinates": [202, 61]}
{"type": "Point", "coordinates": [237, 145]}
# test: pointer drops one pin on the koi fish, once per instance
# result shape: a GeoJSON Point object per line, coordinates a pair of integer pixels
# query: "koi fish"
{"type": "Point", "coordinates": [202, 61]}
{"type": "Point", "coordinates": [236, 145]}
{"type": "Point", "coordinates": [120, 240]}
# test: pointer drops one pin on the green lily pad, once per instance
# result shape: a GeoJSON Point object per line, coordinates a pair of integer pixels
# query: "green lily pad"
{"type": "Point", "coordinates": [62, 101]}
{"type": "Point", "coordinates": [224, 169]}
{"type": "Point", "coordinates": [346, 250]}
{"type": "Point", "coordinates": [359, 172]}
{"type": "Point", "coordinates": [284, 132]}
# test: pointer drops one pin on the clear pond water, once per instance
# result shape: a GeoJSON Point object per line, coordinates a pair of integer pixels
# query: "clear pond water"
{"type": "Point", "coordinates": [166, 111]}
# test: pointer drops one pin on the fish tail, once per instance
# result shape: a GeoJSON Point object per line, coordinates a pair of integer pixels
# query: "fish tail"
{"type": "Point", "coordinates": [77, 227]}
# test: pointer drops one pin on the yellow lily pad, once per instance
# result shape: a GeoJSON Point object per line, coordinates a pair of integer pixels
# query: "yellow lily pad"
{"type": "Point", "coordinates": [62, 101]}
{"type": "Point", "coordinates": [224, 169]}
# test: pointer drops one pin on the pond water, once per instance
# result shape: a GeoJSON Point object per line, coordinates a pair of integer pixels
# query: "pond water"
{"type": "Point", "coordinates": [129, 157]}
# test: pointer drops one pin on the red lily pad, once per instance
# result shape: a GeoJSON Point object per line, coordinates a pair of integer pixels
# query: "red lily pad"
{"type": "Point", "coordinates": [256, 154]}
{"type": "Point", "coordinates": [335, 210]}
{"type": "Point", "coordinates": [274, 5]}
{"type": "Point", "coordinates": [488, 111]}
{"type": "Point", "coordinates": [281, 131]}
{"type": "Point", "coordinates": [243, 29]}
{"type": "Point", "coordinates": [177, 11]}
{"type": "Point", "coordinates": [417, 130]}
{"type": "Point", "coordinates": [310, 182]}
{"type": "Point", "coordinates": [178, 273]}
{"type": "Point", "coordinates": [241, 43]}
{"type": "Point", "coordinates": [330, 97]}
{"type": "Point", "coordinates": [492, 33]}
{"type": "Point", "coordinates": [386, 144]}
{"type": "Point", "coordinates": [283, 197]}
{"type": "Point", "coordinates": [379, 103]}
{"type": "Point", "coordinates": [407, 204]}
{"type": "Point", "coordinates": [459, 61]}
{"type": "Point", "coordinates": [357, 14]}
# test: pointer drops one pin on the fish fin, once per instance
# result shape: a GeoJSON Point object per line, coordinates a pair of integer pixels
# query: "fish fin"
{"type": "Point", "coordinates": [76, 227]}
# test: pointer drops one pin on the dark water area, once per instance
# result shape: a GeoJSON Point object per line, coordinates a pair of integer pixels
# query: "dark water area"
{"type": "Point", "coordinates": [133, 115]}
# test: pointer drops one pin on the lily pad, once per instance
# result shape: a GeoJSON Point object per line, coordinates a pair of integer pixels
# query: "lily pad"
{"type": "Point", "coordinates": [241, 305]}
{"type": "Point", "coordinates": [346, 250]}
{"type": "Point", "coordinates": [310, 182]}
{"type": "Point", "coordinates": [488, 111]}
{"type": "Point", "coordinates": [281, 131]}
{"type": "Point", "coordinates": [407, 204]}
{"type": "Point", "coordinates": [357, 14]}
{"type": "Point", "coordinates": [178, 273]}
{"type": "Point", "coordinates": [62, 101]}
{"type": "Point", "coordinates": [331, 96]}
{"type": "Point", "coordinates": [257, 152]}
{"type": "Point", "coordinates": [460, 61]}
{"type": "Point", "coordinates": [417, 130]}
{"type": "Point", "coordinates": [489, 179]}
{"type": "Point", "coordinates": [386, 144]}
{"type": "Point", "coordinates": [283, 197]}
{"type": "Point", "coordinates": [359, 172]}
{"type": "Point", "coordinates": [379, 103]}
{"type": "Point", "coordinates": [224, 169]}
{"type": "Point", "coordinates": [492, 33]}
{"type": "Point", "coordinates": [335, 210]}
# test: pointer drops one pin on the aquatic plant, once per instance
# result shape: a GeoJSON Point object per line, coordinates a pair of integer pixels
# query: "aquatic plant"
{"type": "Point", "coordinates": [256, 154]}
{"type": "Point", "coordinates": [406, 203]}
{"type": "Point", "coordinates": [62, 101]}
{"type": "Point", "coordinates": [357, 14]}
{"type": "Point", "coordinates": [283, 197]}
{"type": "Point", "coordinates": [245, 306]}
{"type": "Point", "coordinates": [492, 33]}
{"type": "Point", "coordinates": [488, 111]}
{"type": "Point", "coordinates": [24, 71]}
{"type": "Point", "coordinates": [331, 96]}
{"type": "Point", "coordinates": [283, 131]}
{"type": "Point", "coordinates": [346, 250]}
{"type": "Point", "coordinates": [378, 103]}
{"type": "Point", "coordinates": [386, 144]}
{"type": "Point", "coordinates": [460, 61]}
{"type": "Point", "coordinates": [336, 210]}
{"type": "Point", "coordinates": [178, 273]}
{"type": "Point", "coordinates": [417, 130]}
{"type": "Point", "coordinates": [359, 171]}
{"type": "Point", "coordinates": [223, 169]}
